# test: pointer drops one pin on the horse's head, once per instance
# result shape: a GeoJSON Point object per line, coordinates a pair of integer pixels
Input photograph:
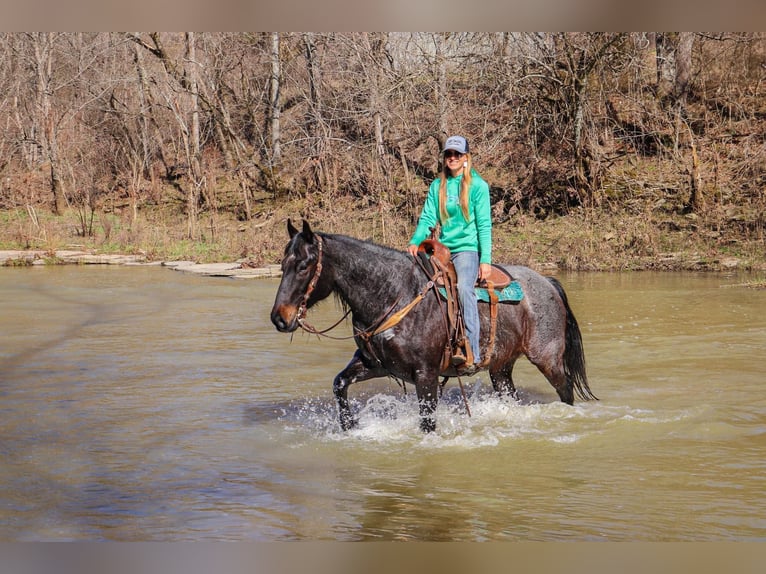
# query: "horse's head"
{"type": "Point", "coordinates": [301, 271]}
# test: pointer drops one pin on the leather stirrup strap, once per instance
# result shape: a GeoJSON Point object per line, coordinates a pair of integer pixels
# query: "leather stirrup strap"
{"type": "Point", "coordinates": [492, 324]}
{"type": "Point", "coordinates": [446, 272]}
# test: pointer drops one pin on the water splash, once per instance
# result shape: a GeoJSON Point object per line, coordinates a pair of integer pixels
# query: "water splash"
{"type": "Point", "coordinates": [391, 419]}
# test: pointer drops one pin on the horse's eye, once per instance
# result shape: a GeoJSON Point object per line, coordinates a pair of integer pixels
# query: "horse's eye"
{"type": "Point", "coordinates": [302, 266]}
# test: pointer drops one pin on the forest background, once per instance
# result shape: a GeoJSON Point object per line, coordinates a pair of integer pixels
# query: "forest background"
{"type": "Point", "coordinates": [603, 151]}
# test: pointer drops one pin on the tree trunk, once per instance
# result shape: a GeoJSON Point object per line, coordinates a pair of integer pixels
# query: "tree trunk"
{"type": "Point", "coordinates": [45, 120]}
{"type": "Point", "coordinates": [274, 103]}
{"type": "Point", "coordinates": [55, 174]}
{"type": "Point", "coordinates": [582, 165]}
{"type": "Point", "coordinates": [696, 199]}
{"type": "Point", "coordinates": [440, 95]}
{"type": "Point", "coordinates": [313, 117]}
{"type": "Point", "coordinates": [665, 65]}
{"type": "Point", "coordinates": [377, 45]}
{"type": "Point", "coordinates": [683, 72]}
{"type": "Point", "coordinates": [193, 151]}
{"type": "Point", "coordinates": [146, 117]}
{"type": "Point", "coordinates": [683, 67]}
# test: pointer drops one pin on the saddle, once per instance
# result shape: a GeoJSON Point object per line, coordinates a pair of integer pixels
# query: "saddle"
{"type": "Point", "coordinates": [437, 256]}
{"type": "Point", "coordinates": [499, 278]}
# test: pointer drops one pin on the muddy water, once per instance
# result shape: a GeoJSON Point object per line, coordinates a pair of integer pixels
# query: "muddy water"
{"type": "Point", "coordinates": [144, 404]}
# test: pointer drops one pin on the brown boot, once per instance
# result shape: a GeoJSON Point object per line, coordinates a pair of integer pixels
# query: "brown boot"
{"type": "Point", "coordinates": [466, 369]}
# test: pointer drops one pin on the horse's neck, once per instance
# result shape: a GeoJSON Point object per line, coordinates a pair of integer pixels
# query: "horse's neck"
{"type": "Point", "coordinates": [368, 278]}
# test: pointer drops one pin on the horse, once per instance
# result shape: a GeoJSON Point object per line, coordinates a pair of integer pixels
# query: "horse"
{"type": "Point", "coordinates": [375, 282]}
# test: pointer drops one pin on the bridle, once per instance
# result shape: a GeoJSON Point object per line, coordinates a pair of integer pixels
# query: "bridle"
{"type": "Point", "coordinates": [303, 307]}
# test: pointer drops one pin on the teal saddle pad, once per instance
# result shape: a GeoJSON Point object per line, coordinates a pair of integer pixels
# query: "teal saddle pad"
{"type": "Point", "coordinates": [513, 293]}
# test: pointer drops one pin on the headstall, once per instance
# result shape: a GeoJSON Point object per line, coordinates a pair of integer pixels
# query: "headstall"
{"type": "Point", "coordinates": [303, 307]}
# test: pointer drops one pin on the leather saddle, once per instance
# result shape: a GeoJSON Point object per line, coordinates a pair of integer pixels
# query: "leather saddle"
{"type": "Point", "coordinates": [499, 277]}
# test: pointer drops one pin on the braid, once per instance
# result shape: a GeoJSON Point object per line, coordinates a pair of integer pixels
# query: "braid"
{"type": "Point", "coordinates": [465, 187]}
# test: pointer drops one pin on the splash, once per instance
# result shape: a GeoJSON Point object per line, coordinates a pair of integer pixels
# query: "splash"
{"type": "Point", "coordinates": [391, 419]}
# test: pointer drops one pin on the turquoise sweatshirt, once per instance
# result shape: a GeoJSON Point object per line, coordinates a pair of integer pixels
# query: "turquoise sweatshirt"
{"type": "Point", "coordinates": [457, 233]}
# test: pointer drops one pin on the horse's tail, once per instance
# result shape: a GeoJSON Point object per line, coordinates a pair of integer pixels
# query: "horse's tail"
{"type": "Point", "coordinates": [574, 355]}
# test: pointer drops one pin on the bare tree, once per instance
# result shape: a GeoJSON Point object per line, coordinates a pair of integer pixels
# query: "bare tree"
{"type": "Point", "coordinates": [45, 121]}
{"type": "Point", "coordinates": [185, 107]}
{"type": "Point", "coordinates": [275, 103]}
{"type": "Point", "coordinates": [362, 115]}
{"type": "Point", "coordinates": [313, 117]}
{"type": "Point", "coordinates": [440, 88]}
{"type": "Point", "coordinates": [193, 147]}
{"type": "Point", "coordinates": [681, 89]}
{"type": "Point", "coordinates": [562, 67]}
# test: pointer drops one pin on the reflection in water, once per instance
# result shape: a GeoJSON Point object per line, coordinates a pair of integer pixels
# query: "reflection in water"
{"type": "Point", "coordinates": [137, 403]}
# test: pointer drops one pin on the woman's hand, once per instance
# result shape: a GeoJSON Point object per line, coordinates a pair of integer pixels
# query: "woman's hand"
{"type": "Point", "coordinates": [485, 269]}
{"type": "Point", "coordinates": [412, 250]}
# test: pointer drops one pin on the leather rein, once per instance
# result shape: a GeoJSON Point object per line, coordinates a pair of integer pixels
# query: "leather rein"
{"type": "Point", "coordinates": [385, 322]}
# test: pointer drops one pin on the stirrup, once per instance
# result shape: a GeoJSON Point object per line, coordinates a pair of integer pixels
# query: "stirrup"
{"type": "Point", "coordinates": [467, 370]}
{"type": "Point", "coordinates": [458, 358]}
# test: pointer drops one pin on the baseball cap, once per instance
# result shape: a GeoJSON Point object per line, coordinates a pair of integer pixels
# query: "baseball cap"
{"type": "Point", "coordinates": [457, 143]}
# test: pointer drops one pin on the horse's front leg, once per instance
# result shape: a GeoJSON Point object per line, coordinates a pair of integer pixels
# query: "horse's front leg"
{"type": "Point", "coordinates": [354, 372]}
{"type": "Point", "coordinates": [427, 391]}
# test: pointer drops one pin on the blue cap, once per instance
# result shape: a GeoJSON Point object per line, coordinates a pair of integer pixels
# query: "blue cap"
{"type": "Point", "coordinates": [457, 143]}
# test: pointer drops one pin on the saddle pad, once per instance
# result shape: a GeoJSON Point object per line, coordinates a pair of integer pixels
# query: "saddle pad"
{"type": "Point", "coordinates": [511, 293]}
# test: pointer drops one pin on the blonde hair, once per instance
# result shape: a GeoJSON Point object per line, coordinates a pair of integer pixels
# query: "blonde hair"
{"type": "Point", "coordinates": [465, 187]}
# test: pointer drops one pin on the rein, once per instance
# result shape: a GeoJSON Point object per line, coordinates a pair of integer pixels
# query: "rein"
{"type": "Point", "coordinates": [394, 319]}
{"type": "Point", "coordinates": [385, 322]}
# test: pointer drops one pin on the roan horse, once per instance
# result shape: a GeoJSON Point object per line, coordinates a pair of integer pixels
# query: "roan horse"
{"type": "Point", "coordinates": [373, 282]}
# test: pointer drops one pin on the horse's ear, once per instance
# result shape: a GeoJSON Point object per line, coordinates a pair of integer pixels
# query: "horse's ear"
{"type": "Point", "coordinates": [291, 229]}
{"type": "Point", "coordinates": [308, 235]}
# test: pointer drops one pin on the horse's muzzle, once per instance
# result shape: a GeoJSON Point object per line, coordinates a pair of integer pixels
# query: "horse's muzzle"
{"type": "Point", "coordinates": [285, 318]}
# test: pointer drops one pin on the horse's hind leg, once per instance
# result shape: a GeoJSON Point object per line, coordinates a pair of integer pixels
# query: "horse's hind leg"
{"type": "Point", "coordinates": [563, 387]}
{"type": "Point", "coordinates": [548, 357]}
{"type": "Point", "coordinates": [502, 381]}
{"type": "Point", "coordinates": [354, 372]}
{"type": "Point", "coordinates": [557, 378]}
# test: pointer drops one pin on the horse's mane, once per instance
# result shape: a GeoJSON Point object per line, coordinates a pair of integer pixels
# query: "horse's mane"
{"type": "Point", "coordinates": [376, 250]}
{"type": "Point", "coordinates": [387, 272]}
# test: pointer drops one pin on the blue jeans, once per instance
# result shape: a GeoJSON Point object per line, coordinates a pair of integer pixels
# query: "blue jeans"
{"type": "Point", "coordinates": [467, 269]}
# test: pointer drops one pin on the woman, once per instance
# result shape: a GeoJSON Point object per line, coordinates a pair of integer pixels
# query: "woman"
{"type": "Point", "coordinates": [458, 201]}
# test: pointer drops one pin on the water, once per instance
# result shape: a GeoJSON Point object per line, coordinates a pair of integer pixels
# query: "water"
{"type": "Point", "coordinates": [139, 403]}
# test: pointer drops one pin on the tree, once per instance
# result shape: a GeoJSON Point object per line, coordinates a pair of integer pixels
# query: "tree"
{"type": "Point", "coordinates": [182, 72]}
{"type": "Point", "coordinates": [45, 116]}
{"type": "Point", "coordinates": [313, 117]}
{"type": "Point", "coordinates": [566, 68]}
{"type": "Point", "coordinates": [275, 103]}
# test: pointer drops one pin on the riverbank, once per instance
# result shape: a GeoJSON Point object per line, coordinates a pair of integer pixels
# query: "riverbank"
{"type": "Point", "coordinates": [595, 240]}
{"type": "Point", "coordinates": [36, 257]}
{"type": "Point", "coordinates": [233, 270]}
